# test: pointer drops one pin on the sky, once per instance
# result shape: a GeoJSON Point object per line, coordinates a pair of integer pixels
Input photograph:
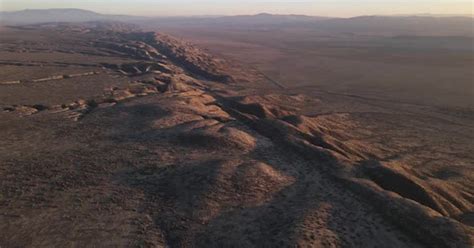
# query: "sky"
{"type": "Point", "coordinates": [341, 8]}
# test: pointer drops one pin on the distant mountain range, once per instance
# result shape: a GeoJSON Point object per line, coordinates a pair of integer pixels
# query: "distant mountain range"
{"type": "Point", "coordinates": [426, 24]}
{"type": "Point", "coordinates": [30, 16]}
{"type": "Point", "coordinates": [265, 18]}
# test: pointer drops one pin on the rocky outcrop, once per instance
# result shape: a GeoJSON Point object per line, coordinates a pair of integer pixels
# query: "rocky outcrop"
{"type": "Point", "coordinates": [191, 58]}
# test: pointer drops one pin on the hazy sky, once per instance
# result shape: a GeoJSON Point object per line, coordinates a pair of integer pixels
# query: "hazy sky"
{"type": "Point", "coordinates": [232, 7]}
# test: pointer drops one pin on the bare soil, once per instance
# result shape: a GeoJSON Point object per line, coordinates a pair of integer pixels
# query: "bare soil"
{"type": "Point", "coordinates": [165, 145]}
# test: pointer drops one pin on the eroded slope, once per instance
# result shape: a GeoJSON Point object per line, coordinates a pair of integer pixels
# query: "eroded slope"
{"type": "Point", "coordinates": [181, 154]}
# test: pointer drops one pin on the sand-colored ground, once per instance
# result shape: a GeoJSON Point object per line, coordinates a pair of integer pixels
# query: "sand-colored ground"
{"type": "Point", "coordinates": [181, 153]}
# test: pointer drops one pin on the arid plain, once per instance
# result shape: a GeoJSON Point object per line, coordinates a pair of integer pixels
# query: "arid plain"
{"type": "Point", "coordinates": [269, 135]}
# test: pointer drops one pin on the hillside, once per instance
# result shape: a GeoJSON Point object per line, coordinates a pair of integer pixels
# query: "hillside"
{"type": "Point", "coordinates": [131, 138]}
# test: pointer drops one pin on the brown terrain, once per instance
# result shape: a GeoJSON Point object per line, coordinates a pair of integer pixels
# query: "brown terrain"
{"type": "Point", "coordinates": [114, 137]}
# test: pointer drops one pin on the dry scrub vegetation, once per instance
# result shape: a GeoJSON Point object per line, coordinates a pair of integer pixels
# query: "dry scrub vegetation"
{"type": "Point", "coordinates": [171, 148]}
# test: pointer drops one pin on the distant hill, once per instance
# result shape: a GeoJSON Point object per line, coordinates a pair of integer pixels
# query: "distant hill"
{"type": "Point", "coordinates": [30, 16]}
{"type": "Point", "coordinates": [389, 25]}
{"type": "Point", "coordinates": [265, 18]}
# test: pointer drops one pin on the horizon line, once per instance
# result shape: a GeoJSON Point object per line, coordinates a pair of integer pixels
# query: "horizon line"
{"type": "Point", "coordinates": [255, 14]}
